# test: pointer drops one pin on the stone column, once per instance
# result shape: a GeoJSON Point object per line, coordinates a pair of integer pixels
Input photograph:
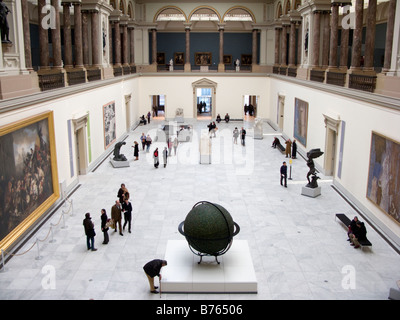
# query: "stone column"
{"type": "Point", "coordinates": [125, 59]}
{"type": "Point", "coordinates": [27, 35]}
{"type": "Point", "coordinates": [357, 36]}
{"type": "Point", "coordinates": [110, 43]}
{"type": "Point", "coordinates": [334, 35]}
{"type": "Point", "coordinates": [344, 48]}
{"type": "Point", "coordinates": [154, 46]}
{"type": "Point", "coordinates": [117, 44]}
{"type": "Point", "coordinates": [96, 38]}
{"type": "Point", "coordinates": [67, 35]}
{"type": "Point", "coordinates": [278, 31]}
{"type": "Point", "coordinates": [299, 43]}
{"type": "Point", "coordinates": [43, 38]}
{"type": "Point", "coordinates": [132, 43]}
{"type": "Point", "coordinates": [221, 66]}
{"type": "Point", "coordinates": [292, 44]}
{"type": "Point", "coordinates": [284, 45]}
{"type": "Point", "coordinates": [85, 37]}
{"type": "Point", "coordinates": [370, 36]}
{"type": "Point", "coordinates": [187, 66]}
{"type": "Point", "coordinates": [78, 35]}
{"type": "Point", "coordinates": [316, 39]}
{"type": "Point", "coordinates": [325, 39]}
{"type": "Point", "coordinates": [255, 47]}
{"type": "Point", "coordinates": [389, 35]}
{"type": "Point", "coordinates": [56, 37]}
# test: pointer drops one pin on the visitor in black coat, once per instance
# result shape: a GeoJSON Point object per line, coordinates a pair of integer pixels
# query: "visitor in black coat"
{"type": "Point", "coordinates": [152, 269]}
{"type": "Point", "coordinates": [294, 149]}
{"type": "Point", "coordinates": [284, 174]}
{"type": "Point", "coordinates": [359, 234]}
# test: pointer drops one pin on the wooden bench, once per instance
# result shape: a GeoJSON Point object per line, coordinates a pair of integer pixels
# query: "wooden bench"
{"type": "Point", "coordinates": [346, 221]}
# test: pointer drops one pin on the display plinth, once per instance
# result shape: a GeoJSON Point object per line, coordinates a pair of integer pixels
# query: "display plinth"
{"type": "Point", "coordinates": [120, 164]}
{"type": "Point", "coordinates": [234, 274]}
{"type": "Point", "coordinates": [311, 192]}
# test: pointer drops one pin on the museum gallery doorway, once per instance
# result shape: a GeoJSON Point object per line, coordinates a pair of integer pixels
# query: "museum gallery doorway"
{"type": "Point", "coordinates": [80, 130]}
{"type": "Point", "coordinates": [204, 103]}
{"type": "Point", "coordinates": [250, 104]}
{"type": "Point", "coordinates": [332, 129]}
{"type": "Point", "coordinates": [157, 103]}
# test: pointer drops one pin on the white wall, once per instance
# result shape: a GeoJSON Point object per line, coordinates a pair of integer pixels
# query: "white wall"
{"type": "Point", "coordinates": [361, 119]}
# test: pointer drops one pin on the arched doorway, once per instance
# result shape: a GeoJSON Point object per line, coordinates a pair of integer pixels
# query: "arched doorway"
{"type": "Point", "coordinates": [204, 104]}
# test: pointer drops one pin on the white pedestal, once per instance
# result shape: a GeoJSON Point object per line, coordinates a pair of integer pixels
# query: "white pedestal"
{"type": "Point", "coordinates": [119, 164]}
{"type": "Point", "coordinates": [183, 274]}
{"type": "Point", "coordinates": [179, 119]}
{"type": "Point", "coordinates": [311, 192]}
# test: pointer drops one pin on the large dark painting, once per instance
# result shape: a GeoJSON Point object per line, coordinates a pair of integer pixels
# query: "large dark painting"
{"type": "Point", "coordinates": [28, 174]}
{"type": "Point", "coordinates": [384, 175]}
{"type": "Point", "coordinates": [300, 121]}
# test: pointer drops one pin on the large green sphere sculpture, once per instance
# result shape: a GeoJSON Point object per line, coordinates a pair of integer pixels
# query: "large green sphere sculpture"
{"type": "Point", "coordinates": [209, 229]}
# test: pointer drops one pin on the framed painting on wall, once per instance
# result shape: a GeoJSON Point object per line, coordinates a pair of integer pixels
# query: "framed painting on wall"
{"type": "Point", "coordinates": [109, 124]}
{"type": "Point", "coordinates": [179, 58]}
{"type": "Point", "coordinates": [28, 175]}
{"type": "Point", "coordinates": [202, 58]}
{"type": "Point", "coordinates": [161, 58]}
{"type": "Point", "coordinates": [246, 59]}
{"type": "Point", "coordinates": [300, 121]}
{"type": "Point", "coordinates": [383, 187]}
{"type": "Point", "coordinates": [227, 59]}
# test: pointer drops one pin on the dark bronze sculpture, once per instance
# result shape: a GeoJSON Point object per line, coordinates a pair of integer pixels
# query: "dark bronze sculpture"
{"type": "Point", "coordinates": [117, 155]}
{"type": "Point", "coordinates": [3, 22]}
{"type": "Point", "coordinates": [312, 154]}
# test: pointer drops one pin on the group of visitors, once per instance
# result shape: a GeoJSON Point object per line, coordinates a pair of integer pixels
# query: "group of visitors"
{"type": "Point", "coordinates": [290, 152]}
{"type": "Point", "coordinates": [122, 205]}
{"type": "Point", "coordinates": [356, 232]}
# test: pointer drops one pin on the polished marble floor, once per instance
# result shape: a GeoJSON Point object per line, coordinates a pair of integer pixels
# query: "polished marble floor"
{"type": "Point", "coordinates": [299, 250]}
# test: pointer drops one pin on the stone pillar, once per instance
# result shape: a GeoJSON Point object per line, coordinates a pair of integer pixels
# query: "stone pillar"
{"type": "Point", "coordinates": [110, 43]}
{"type": "Point", "coordinates": [188, 66]}
{"type": "Point", "coordinates": [344, 48]}
{"type": "Point", "coordinates": [78, 35]}
{"type": "Point", "coordinates": [96, 38]}
{"type": "Point", "coordinates": [85, 37]}
{"type": "Point", "coordinates": [370, 36]}
{"type": "Point", "coordinates": [278, 31]}
{"type": "Point", "coordinates": [299, 42]}
{"type": "Point", "coordinates": [255, 48]}
{"type": "Point", "coordinates": [56, 37]}
{"type": "Point", "coordinates": [221, 66]}
{"type": "Point", "coordinates": [67, 35]}
{"type": "Point", "coordinates": [316, 39]}
{"type": "Point", "coordinates": [357, 36]}
{"type": "Point", "coordinates": [334, 35]}
{"type": "Point", "coordinates": [389, 35]}
{"type": "Point", "coordinates": [131, 44]}
{"type": "Point", "coordinates": [325, 39]}
{"type": "Point", "coordinates": [43, 38]}
{"type": "Point", "coordinates": [27, 35]}
{"type": "Point", "coordinates": [125, 59]}
{"type": "Point", "coordinates": [292, 44]}
{"type": "Point", "coordinates": [284, 45]}
{"type": "Point", "coordinates": [154, 46]}
{"type": "Point", "coordinates": [117, 44]}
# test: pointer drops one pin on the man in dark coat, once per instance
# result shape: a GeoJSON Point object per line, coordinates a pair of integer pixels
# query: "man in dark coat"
{"type": "Point", "coordinates": [127, 209]}
{"type": "Point", "coordinates": [116, 215]}
{"type": "Point", "coordinates": [284, 174]}
{"type": "Point", "coordinates": [89, 231]}
{"type": "Point", "coordinates": [294, 149]}
{"type": "Point", "coordinates": [152, 269]}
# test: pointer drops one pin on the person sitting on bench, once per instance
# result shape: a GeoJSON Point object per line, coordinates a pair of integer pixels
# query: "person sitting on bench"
{"type": "Point", "coordinates": [352, 227]}
{"type": "Point", "coordinates": [358, 235]}
{"type": "Point", "coordinates": [275, 143]}
{"type": "Point", "coordinates": [143, 120]}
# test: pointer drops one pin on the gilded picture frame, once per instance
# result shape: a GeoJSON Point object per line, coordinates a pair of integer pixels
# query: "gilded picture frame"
{"type": "Point", "coordinates": [202, 58]}
{"type": "Point", "coordinates": [179, 58]}
{"type": "Point", "coordinates": [383, 185]}
{"type": "Point", "coordinates": [28, 175]}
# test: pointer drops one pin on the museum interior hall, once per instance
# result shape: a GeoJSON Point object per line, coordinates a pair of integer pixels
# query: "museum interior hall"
{"type": "Point", "coordinates": [248, 136]}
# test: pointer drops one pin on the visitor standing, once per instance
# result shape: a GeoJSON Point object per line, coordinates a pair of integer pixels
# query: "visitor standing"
{"type": "Point", "coordinates": [235, 135]}
{"type": "Point", "coordinates": [116, 215]}
{"type": "Point", "coordinates": [89, 231]}
{"type": "Point", "coordinates": [136, 150]}
{"type": "Point", "coordinates": [288, 149]}
{"type": "Point", "coordinates": [148, 143]}
{"type": "Point", "coordinates": [104, 228]}
{"type": "Point", "coordinates": [165, 156]}
{"type": "Point", "coordinates": [143, 140]}
{"type": "Point", "coordinates": [175, 145]}
{"type": "Point", "coordinates": [155, 157]}
{"type": "Point", "coordinates": [294, 149]}
{"type": "Point", "coordinates": [243, 136]}
{"type": "Point", "coordinates": [284, 174]}
{"type": "Point", "coordinates": [127, 209]}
